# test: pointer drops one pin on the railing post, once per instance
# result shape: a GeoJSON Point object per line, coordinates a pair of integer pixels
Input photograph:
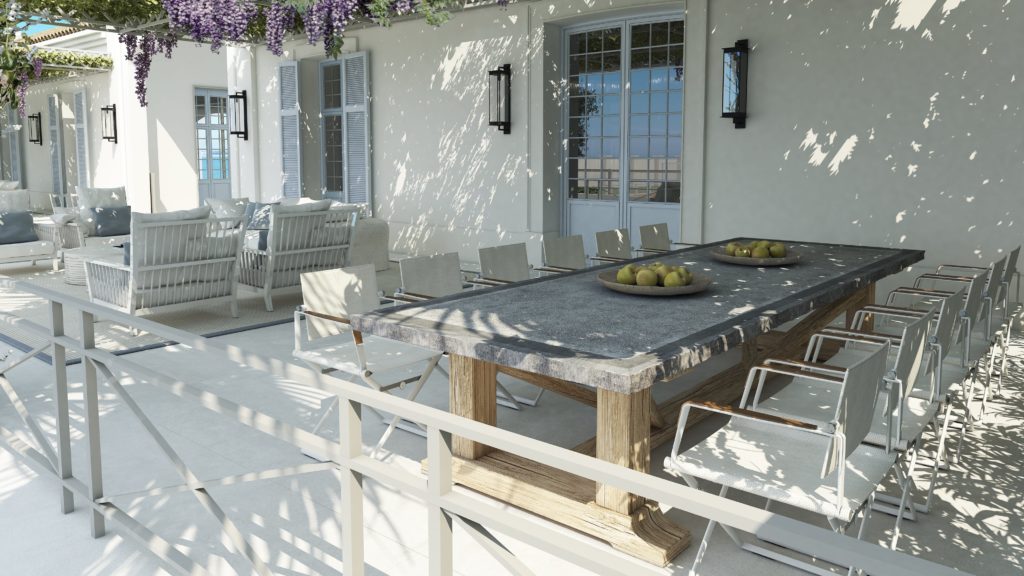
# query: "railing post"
{"type": "Point", "coordinates": [92, 423]}
{"type": "Point", "coordinates": [60, 378]}
{"type": "Point", "coordinates": [350, 439]}
{"type": "Point", "coordinates": [439, 482]}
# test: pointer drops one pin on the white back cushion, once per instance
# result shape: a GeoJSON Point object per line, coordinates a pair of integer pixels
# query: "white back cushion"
{"type": "Point", "coordinates": [15, 201]}
{"type": "Point", "coordinates": [229, 208]}
{"type": "Point", "coordinates": [9, 184]}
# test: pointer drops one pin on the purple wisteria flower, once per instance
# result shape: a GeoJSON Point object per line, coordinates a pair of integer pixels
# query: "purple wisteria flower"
{"type": "Point", "coordinates": [280, 19]}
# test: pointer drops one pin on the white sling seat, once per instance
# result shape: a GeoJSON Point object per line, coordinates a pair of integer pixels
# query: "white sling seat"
{"type": "Point", "coordinates": [821, 468]}
{"type": "Point", "coordinates": [324, 339]}
{"type": "Point", "coordinates": [613, 246]}
{"type": "Point", "coordinates": [563, 254]}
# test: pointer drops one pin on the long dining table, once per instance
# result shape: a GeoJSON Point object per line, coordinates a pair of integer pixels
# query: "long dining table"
{"type": "Point", "coordinates": [569, 334]}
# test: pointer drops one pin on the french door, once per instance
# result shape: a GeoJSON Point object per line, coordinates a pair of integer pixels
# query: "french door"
{"type": "Point", "coordinates": [212, 165]}
{"type": "Point", "coordinates": [623, 127]}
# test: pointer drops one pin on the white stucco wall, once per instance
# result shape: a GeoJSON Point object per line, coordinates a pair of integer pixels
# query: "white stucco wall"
{"type": "Point", "coordinates": [885, 123]}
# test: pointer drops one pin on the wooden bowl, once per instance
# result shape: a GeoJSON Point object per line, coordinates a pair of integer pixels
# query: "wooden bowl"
{"type": "Point", "coordinates": [607, 277]}
{"type": "Point", "coordinates": [718, 253]}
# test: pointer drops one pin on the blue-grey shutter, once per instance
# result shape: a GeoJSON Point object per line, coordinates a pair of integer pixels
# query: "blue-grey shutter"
{"type": "Point", "coordinates": [56, 148]}
{"type": "Point", "coordinates": [82, 139]}
{"type": "Point", "coordinates": [14, 145]}
{"type": "Point", "coordinates": [291, 137]}
{"type": "Point", "coordinates": [356, 132]}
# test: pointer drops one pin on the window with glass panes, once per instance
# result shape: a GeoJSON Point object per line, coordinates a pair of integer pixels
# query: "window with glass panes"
{"type": "Point", "coordinates": [626, 136]}
{"type": "Point", "coordinates": [211, 113]}
{"type": "Point", "coordinates": [333, 143]}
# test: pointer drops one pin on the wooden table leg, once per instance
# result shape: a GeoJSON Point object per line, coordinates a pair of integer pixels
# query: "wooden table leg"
{"type": "Point", "coordinates": [473, 395]}
{"type": "Point", "coordinates": [623, 438]}
{"type": "Point", "coordinates": [865, 297]}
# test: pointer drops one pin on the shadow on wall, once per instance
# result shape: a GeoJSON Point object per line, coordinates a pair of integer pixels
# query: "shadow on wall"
{"type": "Point", "coordinates": [891, 122]}
{"type": "Point", "coordinates": [445, 169]}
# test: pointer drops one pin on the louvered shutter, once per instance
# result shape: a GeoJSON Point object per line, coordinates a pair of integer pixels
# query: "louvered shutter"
{"type": "Point", "coordinates": [14, 145]}
{"type": "Point", "coordinates": [356, 132]}
{"type": "Point", "coordinates": [56, 148]}
{"type": "Point", "coordinates": [82, 139]}
{"type": "Point", "coordinates": [291, 166]}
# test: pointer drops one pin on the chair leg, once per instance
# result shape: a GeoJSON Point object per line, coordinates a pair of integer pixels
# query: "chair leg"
{"type": "Point", "coordinates": [267, 300]}
{"type": "Point", "coordinates": [396, 420]}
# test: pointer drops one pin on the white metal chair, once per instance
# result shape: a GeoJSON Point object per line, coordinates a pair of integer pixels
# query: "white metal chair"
{"type": "Point", "coordinates": [563, 254]}
{"type": "Point", "coordinates": [324, 340]}
{"type": "Point", "coordinates": [613, 246]}
{"type": "Point", "coordinates": [501, 265]}
{"type": "Point", "coordinates": [654, 239]}
{"type": "Point", "coordinates": [428, 277]}
{"type": "Point", "coordinates": [900, 420]}
{"type": "Point", "coordinates": [824, 469]}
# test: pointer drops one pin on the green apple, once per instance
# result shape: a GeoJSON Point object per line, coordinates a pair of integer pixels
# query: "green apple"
{"type": "Point", "coordinates": [626, 276]}
{"type": "Point", "coordinates": [778, 250]}
{"type": "Point", "coordinates": [647, 278]}
{"type": "Point", "coordinates": [674, 279]}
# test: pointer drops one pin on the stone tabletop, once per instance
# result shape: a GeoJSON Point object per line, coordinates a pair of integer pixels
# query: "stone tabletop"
{"type": "Point", "coordinates": [570, 327]}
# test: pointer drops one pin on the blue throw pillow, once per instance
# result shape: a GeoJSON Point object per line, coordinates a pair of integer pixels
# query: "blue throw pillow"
{"type": "Point", "coordinates": [112, 221]}
{"type": "Point", "coordinates": [16, 228]}
{"type": "Point", "coordinates": [257, 215]}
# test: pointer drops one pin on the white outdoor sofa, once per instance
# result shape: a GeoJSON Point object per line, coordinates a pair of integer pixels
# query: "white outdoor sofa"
{"type": "Point", "coordinates": [177, 259]}
{"type": "Point", "coordinates": [80, 233]}
{"type": "Point", "coordinates": [300, 238]}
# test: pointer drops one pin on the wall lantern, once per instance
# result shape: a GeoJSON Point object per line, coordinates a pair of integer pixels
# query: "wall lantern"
{"type": "Point", "coordinates": [240, 109]}
{"type": "Point", "coordinates": [499, 91]}
{"type": "Point", "coordinates": [734, 83]}
{"type": "Point", "coordinates": [109, 121]}
{"type": "Point", "coordinates": [35, 128]}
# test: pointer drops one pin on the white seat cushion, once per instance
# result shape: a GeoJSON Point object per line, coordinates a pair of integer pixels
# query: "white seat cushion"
{"type": "Point", "coordinates": [339, 352]}
{"type": "Point", "coordinates": [98, 241]}
{"type": "Point", "coordinates": [784, 465]}
{"type": "Point", "coordinates": [27, 250]}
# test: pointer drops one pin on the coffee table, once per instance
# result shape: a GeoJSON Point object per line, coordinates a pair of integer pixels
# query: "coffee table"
{"type": "Point", "coordinates": [75, 258]}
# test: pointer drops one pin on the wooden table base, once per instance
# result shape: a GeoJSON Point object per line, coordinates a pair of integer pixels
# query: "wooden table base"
{"type": "Point", "coordinates": [569, 500]}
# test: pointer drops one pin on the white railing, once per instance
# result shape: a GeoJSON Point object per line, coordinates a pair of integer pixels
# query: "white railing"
{"type": "Point", "coordinates": [446, 505]}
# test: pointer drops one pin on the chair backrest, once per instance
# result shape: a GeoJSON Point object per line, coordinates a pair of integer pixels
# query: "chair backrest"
{"type": "Point", "coordinates": [614, 244]}
{"type": "Point", "coordinates": [508, 263]}
{"type": "Point", "coordinates": [296, 228]}
{"type": "Point", "coordinates": [994, 288]}
{"type": "Point", "coordinates": [432, 276]}
{"type": "Point", "coordinates": [855, 409]}
{"type": "Point", "coordinates": [948, 315]}
{"type": "Point", "coordinates": [565, 252]}
{"type": "Point", "coordinates": [975, 293]}
{"type": "Point", "coordinates": [655, 237]}
{"type": "Point", "coordinates": [339, 292]}
{"type": "Point", "coordinates": [1011, 265]}
{"type": "Point", "coordinates": [913, 343]}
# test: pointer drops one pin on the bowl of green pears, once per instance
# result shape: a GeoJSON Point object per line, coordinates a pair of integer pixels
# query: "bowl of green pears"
{"type": "Point", "coordinates": [755, 253]}
{"type": "Point", "coordinates": [653, 279]}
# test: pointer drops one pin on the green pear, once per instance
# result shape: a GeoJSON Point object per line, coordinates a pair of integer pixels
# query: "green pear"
{"type": "Point", "coordinates": [626, 276]}
{"type": "Point", "coordinates": [742, 253]}
{"type": "Point", "coordinates": [647, 278]}
{"type": "Point", "coordinates": [731, 247]}
{"type": "Point", "coordinates": [778, 250]}
{"type": "Point", "coordinates": [764, 243]}
{"type": "Point", "coordinates": [663, 271]}
{"type": "Point", "coordinates": [760, 252]}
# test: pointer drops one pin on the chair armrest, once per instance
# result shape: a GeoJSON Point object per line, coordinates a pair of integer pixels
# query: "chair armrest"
{"type": "Point", "coordinates": [331, 317]}
{"type": "Point", "coordinates": [947, 277]}
{"type": "Point", "coordinates": [650, 250]}
{"type": "Point", "coordinates": [959, 267]}
{"type": "Point", "coordinates": [812, 366]}
{"type": "Point", "coordinates": [105, 264]}
{"type": "Point", "coordinates": [489, 282]}
{"type": "Point", "coordinates": [732, 411]}
{"type": "Point", "coordinates": [864, 334]}
{"type": "Point", "coordinates": [554, 269]}
{"type": "Point", "coordinates": [607, 259]}
{"type": "Point", "coordinates": [409, 297]}
{"type": "Point", "coordinates": [922, 292]}
{"type": "Point", "coordinates": [798, 373]}
{"type": "Point", "coordinates": [895, 311]}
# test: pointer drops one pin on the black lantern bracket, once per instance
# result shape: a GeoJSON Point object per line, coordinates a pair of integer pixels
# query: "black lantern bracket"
{"type": "Point", "coordinates": [240, 103]}
{"type": "Point", "coordinates": [734, 82]}
{"type": "Point", "coordinates": [499, 91]}
{"type": "Point", "coordinates": [109, 123]}
{"type": "Point", "coordinates": [35, 128]}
